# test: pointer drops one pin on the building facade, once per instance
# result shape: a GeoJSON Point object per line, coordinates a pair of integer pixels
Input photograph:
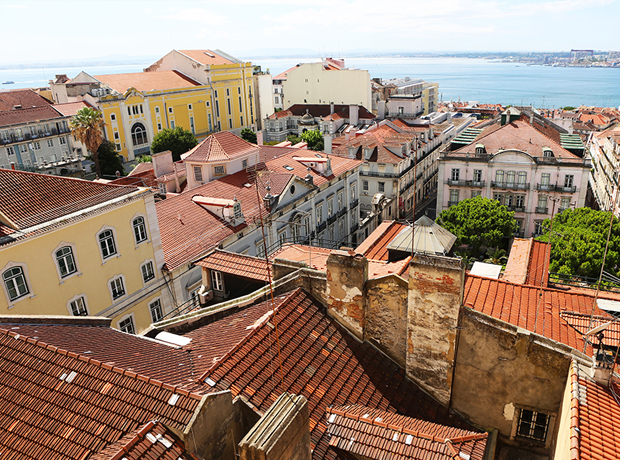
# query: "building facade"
{"type": "Point", "coordinates": [604, 150]}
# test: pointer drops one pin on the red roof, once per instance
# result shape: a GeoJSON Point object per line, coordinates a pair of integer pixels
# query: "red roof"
{"type": "Point", "coordinates": [378, 434]}
{"type": "Point", "coordinates": [594, 419]}
{"type": "Point", "coordinates": [324, 363]}
{"type": "Point", "coordinates": [147, 81]}
{"type": "Point", "coordinates": [218, 147]}
{"type": "Point", "coordinates": [206, 57]}
{"type": "Point", "coordinates": [29, 115]}
{"type": "Point", "coordinates": [384, 141]}
{"type": "Point", "coordinates": [236, 264]}
{"type": "Point", "coordinates": [50, 197]}
{"type": "Point", "coordinates": [323, 110]}
{"type": "Point", "coordinates": [521, 305]}
{"type": "Point", "coordinates": [70, 109]}
{"type": "Point", "coordinates": [528, 262]}
{"type": "Point", "coordinates": [63, 405]}
{"type": "Point", "coordinates": [25, 97]}
{"type": "Point", "coordinates": [375, 246]}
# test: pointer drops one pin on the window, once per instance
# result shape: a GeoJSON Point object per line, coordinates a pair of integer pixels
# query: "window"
{"type": "Point", "coordinates": [454, 197]}
{"type": "Point", "coordinates": [190, 107]}
{"type": "Point", "coordinates": [217, 281]}
{"type": "Point", "coordinates": [162, 189]}
{"type": "Point", "coordinates": [50, 142]}
{"type": "Point", "coordinates": [475, 193]}
{"type": "Point", "coordinates": [147, 272]}
{"type": "Point", "coordinates": [66, 261]}
{"type": "Point", "coordinates": [138, 134]}
{"type": "Point", "coordinates": [542, 203]}
{"type": "Point", "coordinates": [510, 177]}
{"type": "Point", "coordinates": [106, 242]}
{"type": "Point", "coordinates": [568, 180]}
{"type": "Point", "coordinates": [477, 175]}
{"type": "Point", "coordinates": [219, 170]}
{"type": "Point", "coordinates": [282, 237]}
{"type": "Point", "coordinates": [169, 109]}
{"type": "Point", "coordinates": [158, 126]}
{"type": "Point", "coordinates": [520, 201]}
{"type": "Point", "coordinates": [62, 140]}
{"type": "Point", "coordinates": [545, 178]}
{"type": "Point", "coordinates": [157, 110]}
{"type": "Point", "coordinates": [509, 200]}
{"type": "Point", "coordinates": [139, 229]}
{"type": "Point", "coordinates": [244, 163]}
{"type": "Point", "coordinates": [126, 325]}
{"type": "Point", "coordinates": [340, 200]}
{"type": "Point", "coordinates": [78, 307]}
{"type": "Point", "coordinates": [116, 135]}
{"type": "Point", "coordinates": [15, 283]}
{"type": "Point", "coordinates": [228, 105]}
{"type": "Point", "coordinates": [172, 125]}
{"type": "Point", "coordinates": [230, 124]}
{"type": "Point", "coordinates": [277, 100]}
{"type": "Point", "coordinates": [117, 288]}
{"type": "Point", "coordinates": [10, 150]}
{"type": "Point", "coordinates": [499, 176]}
{"type": "Point", "coordinates": [198, 173]}
{"type": "Point", "coordinates": [381, 186]}
{"type": "Point", "coordinates": [522, 177]}
{"type": "Point", "coordinates": [330, 207]}
{"type": "Point", "coordinates": [118, 147]}
{"type": "Point", "coordinates": [36, 145]}
{"type": "Point", "coordinates": [352, 192]}
{"type": "Point", "coordinates": [455, 174]}
{"type": "Point", "coordinates": [191, 125]}
{"type": "Point", "coordinates": [499, 197]}
{"type": "Point", "coordinates": [156, 311]}
{"type": "Point", "coordinates": [538, 228]}
{"type": "Point", "coordinates": [365, 185]}
{"type": "Point", "coordinates": [533, 425]}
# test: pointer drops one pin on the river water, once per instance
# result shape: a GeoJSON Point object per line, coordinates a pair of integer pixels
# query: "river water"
{"type": "Point", "coordinates": [459, 79]}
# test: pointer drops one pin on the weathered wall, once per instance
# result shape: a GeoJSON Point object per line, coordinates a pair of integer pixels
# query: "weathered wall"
{"type": "Point", "coordinates": [346, 276]}
{"type": "Point", "coordinates": [386, 316]}
{"type": "Point", "coordinates": [562, 447]}
{"type": "Point", "coordinates": [435, 287]}
{"type": "Point", "coordinates": [512, 368]}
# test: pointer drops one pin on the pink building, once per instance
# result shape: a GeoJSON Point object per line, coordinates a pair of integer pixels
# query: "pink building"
{"type": "Point", "coordinates": [518, 165]}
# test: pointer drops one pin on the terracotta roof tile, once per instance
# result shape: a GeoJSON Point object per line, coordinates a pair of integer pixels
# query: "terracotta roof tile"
{"type": "Point", "coordinates": [377, 434]}
{"type": "Point", "coordinates": [375, 246]}
{"type": "Point", "coordinates": [383, 140]}
{"type": "Point", "coordinates": [147, 81]}
{"type": "Point", "coordinates": [25, 97]}
{"type": "Point", "coordinates": [236, 264]}
{"type": "Point", "coordinates": [218, 147]}
{"type": "Point", "coordinates": [528, 262]}
{"type": "Point", "coordinates": [63, 405]}
{"type": "Point", "coordinates": [301, 253]}
{"type": "Point", "coordinates": [206, 57]}
{"type": "Point", "coordinates": [29, 115]}
{"type": "Point", "coordinates": [325, 364]}
{"type": "Point", "coordinates": [70, 109]}
{"type": "Point", "coordinates": [50, 197]}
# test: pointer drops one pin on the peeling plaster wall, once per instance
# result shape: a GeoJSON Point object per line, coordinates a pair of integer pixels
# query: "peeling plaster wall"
{"type": "Point", "coordinates": [386, 316]}
{"type": "Point", "coordinates": [346, 277]}
{"type": "Point", "coordinates": [500, 368]}
{"type": "Point", "coordinates": [435, 287]}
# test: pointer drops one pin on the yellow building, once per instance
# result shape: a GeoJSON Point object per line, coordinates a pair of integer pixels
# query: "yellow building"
{"type": "Point", "coordinates": [200, 90]}
{"type": "Point", "coordinates": [430, 97]}
{"type": "Point", "coordinates": [74, 247]}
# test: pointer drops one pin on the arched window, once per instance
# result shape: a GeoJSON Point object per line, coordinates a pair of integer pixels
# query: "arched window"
{"type": "Point", "coordinates": [66, 261]}
{"type": "Point", "coordinates": [106, 241]}
{"type": "Point", "coordinates": [138, 134]}
{"type": "Point", "coordinates": [15, 283]}
{"type": "Point", "coordinates": [139, 229]}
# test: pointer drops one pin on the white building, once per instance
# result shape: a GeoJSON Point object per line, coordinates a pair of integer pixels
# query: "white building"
{"type": "Point", "coordinates": [604, 150]}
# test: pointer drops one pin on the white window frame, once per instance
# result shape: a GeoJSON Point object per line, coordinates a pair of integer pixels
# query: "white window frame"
{"type": "Point", "coordinates": [217, 281]}
{"type": "Point", "coordinates": [161, 309]}
{"type": "Point", "coordinates": [132, 321]}
{"type": "Point", "coordinates": [27, 294]}
{"type": "Point", "coordinates": [104, 259]}
{"type": "Point", "coordinates": [162, 188]}
{"type": "Point", "coordinates": [77, 271]}
{"type": "Point", "coordinates": [133, 229]}
{"type": "Point", "coordinates": [124, 285]}
{"type": "Point", "coordinates": [75, 299]}
{"type": "Point", "coordinates": [154, 271]}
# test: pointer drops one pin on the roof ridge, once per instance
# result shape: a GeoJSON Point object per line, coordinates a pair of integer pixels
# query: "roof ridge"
{"type": "Point", "coordinates": [240, 344]}
{"type": "Point", "coordinates": [95, 362]}
{"type": "Point", "coordinates": [65, 178]}
{"type": "Point", "coordinates": [140, 434]}
{"type": "Point", "coordinates": [574, 413]}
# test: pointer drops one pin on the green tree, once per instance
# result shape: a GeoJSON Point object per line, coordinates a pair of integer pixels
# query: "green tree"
{"type": "Point", "coordinates": [578, 242]}
{"type": "Point", "coordinates": [248, 135]}
{"type": "Point", "coordinates": [314, 139]}
{"type": "Point", "coordinates": [87, 127]}
{"type": "Point", "coordinates": [109, 161]}
{"type": "Point", "coordinates": [145, 159]}
{"type": "Point", "coordinates": [177, 140]}
{"type": "Point", "coordinates": [293, 139]}
{"type": "Point", "coordinates": [478, 222]}
{"type": "Point", "coordinates": [568, 108]}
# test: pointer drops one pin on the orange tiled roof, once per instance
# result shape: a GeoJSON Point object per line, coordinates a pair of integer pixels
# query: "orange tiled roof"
{"type": "Point", "coordinates": [70, 109]}
{"type": "Point", "coordinates": [50, 197]}
{"type": "Point", "coordinates": [25, 97]}
{"type": "Point", "coordinates": [594, 419]}
{"type": "Point", "coordinates": [375, 246]}
{"type": "Point", "coordinates": [29, 115]}
{"type": "Point", "coordinates": [236, 264]}
{"type": "Point", "coordinates": [218, 147]}
{"type": "Point", "coordinates": [528, 262]}
{"type": "Point", "coordinates": [301, 253]}
{"type": "Point", "coordinates": [147, 81]}
{"type": "Point", "coordinates": [62, 405]}
{"type": "Point", "coordinates": [282, 76]}
{"type": "Point", "coordinates": [377, 434]}
{"type": "Point", "coordinates": [520, 305]}
{"type": "Point", "coordinates": [382, 140]}
{"type": "Point", "coordinates": [206, 57]}
{"type": "Point", "coordinates": [323, 110]}
{"type": "Point", "coordinates": [324, 363]}
{"type": "Point", "coordinates": [151, 441]}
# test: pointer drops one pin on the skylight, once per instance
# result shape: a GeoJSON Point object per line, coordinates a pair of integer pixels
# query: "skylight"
{"type": "Point", "coordinates": [290, 168]}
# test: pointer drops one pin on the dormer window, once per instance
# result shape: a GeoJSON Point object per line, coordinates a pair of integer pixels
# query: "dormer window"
{"type": "Point", "coordinates": [480, 149]}
{"type": "Point", "coordinates": [547, 152]}
{"type": "Point", "coordinates": [237, 210]}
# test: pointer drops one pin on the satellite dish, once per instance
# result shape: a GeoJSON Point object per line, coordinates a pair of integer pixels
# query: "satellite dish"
{"type": "Point", "coordinates": [598, 329]}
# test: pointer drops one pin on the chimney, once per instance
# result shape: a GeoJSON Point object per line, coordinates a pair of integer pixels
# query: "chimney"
{"type": "Point", "coordinates": [176, 179]}
{"type": "Point", "coordinates": [327, 141]}
{"type": "Point", "coordinates": [259, 137]}
{"type": "Point", "coordinates": [309, 180]}
{"type": "Point", "coordinates": [351, 152]}
{"type": "Point", "coordinates": [354, 114]}
{"type": "Point", "coordinates": [162, 163]}
{"type": "Point", "coordinates": [603, 366]}
{"type": "Point", "coordinates": [346, 299]}
{"type": "Point", "coordinates": [435, 293]}
{"type": "Point", "coordinates": [331, 108]}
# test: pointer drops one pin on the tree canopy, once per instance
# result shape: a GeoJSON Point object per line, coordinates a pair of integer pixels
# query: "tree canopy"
{"type": "Point", "coordinates": [478, 222]}
{"type": "Point", "coordinates": [248, 135]}
{"type": "Point", "coordinates": [177, 140]}
{"type": "Point", "coordinates": [109, 161]}
{"type": "Point", "coordinates": [314, 139]}
{"type": "Point", "coordinates": [578, 242]}
{"type": "Point", "coordinates": [87, 127]}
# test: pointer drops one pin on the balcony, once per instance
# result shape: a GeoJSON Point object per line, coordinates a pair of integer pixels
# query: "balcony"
{"type": "Point", "coordinates": [545, 187]}
{"type": "Point", "coordinates": [378, 174]}
{"type": "Point", "coordinates": [331, 219]}
{"type": "Point", "coordinates": [321, 227]}
{"type": "Point", "coordinates": [560, 188]}
{"type": "Point", "coordinates": [519, 234]}
{"type": "Point", "coordinates": [354, 204]}
{"type": "Point", "coordinates": [452, 203]}
{"type": "Point", "coordinates": [466, 183]}
{"type": "Point", "coordinates": [542, 210]}
{"type": "Point", "coordinates": [516, 208]}
{"type": "Point", "coordinates": [342, 212]}
{"type": "Point", "coordinates": [354, 228]}
{"type": "Point", "coordinates": [510, 185]}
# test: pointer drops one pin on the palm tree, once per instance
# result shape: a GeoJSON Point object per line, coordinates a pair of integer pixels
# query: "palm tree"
{"type": "Point", "coordinates": [496, 257]}
{"type": "Point", "coordinates": [86, 126]}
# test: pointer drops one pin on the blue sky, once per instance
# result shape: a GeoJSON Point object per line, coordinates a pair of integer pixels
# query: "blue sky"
{"type": "Point", "coordinates": [83, 29]}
